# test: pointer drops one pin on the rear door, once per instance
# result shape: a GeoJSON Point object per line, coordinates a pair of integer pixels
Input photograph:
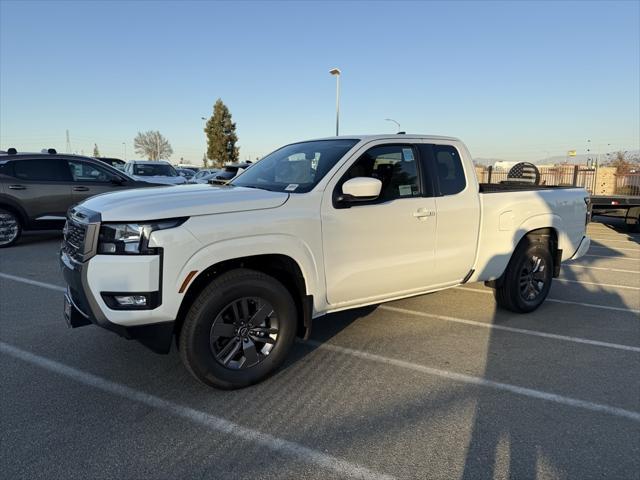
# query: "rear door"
{"type": "Point", "coordinates": [42, 186]}
{"type": "Point", "coordinates": [458, 212]}
{"type": "Point", "coordinates": [90, 179]}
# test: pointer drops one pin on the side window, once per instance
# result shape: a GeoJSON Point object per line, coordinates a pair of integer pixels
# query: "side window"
{"type": "Point", "coordinates": [86, 172]}
{"type": "Point", "coordinates": [5, 168]}
{"type": "Point", "coordinates": [394, 165]}
{"type": "Point", "coordinates": [42, 170]}
{"type": "Point", "coordinates": [449, 169]}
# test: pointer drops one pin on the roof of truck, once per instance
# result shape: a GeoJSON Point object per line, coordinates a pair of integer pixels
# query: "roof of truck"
{"type": "Point", "coordinates": [391, 136]}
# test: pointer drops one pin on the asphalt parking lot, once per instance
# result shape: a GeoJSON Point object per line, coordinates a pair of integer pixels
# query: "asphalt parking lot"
{"type": "Point", "coordinates": [442, 386]}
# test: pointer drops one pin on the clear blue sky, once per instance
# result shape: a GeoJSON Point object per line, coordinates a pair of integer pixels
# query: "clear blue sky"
{"type": "Point", "coordinates": [515, 80]}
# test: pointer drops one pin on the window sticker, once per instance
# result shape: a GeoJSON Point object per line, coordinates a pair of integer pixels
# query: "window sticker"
{"type": "Point", "coordinates": [407, 153]}
{"type": "Point", "coordinates": [291, 187]}
{"type": "Point", "coordinates": [405, 190]}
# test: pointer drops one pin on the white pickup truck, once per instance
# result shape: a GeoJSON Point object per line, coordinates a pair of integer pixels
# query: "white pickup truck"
{"type": "Point", "coordinates": [236, 272]}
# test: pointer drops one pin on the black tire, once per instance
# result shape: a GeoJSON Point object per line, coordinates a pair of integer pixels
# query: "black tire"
{"type": "Point", "coordinates": [527, 279]}
{"type": "Point", "coordinates": [10, 228]}
{"type": "Point", "coordinates": [205, 348]}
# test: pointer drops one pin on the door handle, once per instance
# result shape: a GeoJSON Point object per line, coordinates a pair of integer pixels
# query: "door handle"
{"type": "Point", "coordinates": [423, 212]}
{"type": "Point", "coordinates": [80, 189]}
{"type": "Point", "coordinates": [17, 187]}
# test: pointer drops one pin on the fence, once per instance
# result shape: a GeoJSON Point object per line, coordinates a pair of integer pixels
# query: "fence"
{"type": "Point", "coordinates": [565, 175]}
{"type": "Point", "coordinates": [627, 184]}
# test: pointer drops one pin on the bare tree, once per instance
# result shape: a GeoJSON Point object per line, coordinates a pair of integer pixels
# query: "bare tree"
{"type": "Point", "coordinates": [624, 162]}
{"type": "Point", "coordinates": [152, 145]}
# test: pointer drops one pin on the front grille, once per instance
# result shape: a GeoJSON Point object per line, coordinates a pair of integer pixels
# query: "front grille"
{"type": "Point", "coordinates": [74, 239]}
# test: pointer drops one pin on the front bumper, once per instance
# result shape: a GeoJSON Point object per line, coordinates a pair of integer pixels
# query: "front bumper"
{"type": "Point", "coordinates": [582, 248]}
{"type": "Point", "coordinates": [83, 308]}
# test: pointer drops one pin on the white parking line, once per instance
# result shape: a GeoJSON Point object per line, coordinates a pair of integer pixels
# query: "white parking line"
{"type": "Point", "coordinates": [483, 382]}
{"type": "Point", "coordinates": [611, 285]}
{"type": "Point", "coordinates": [612, 240]}
{"type": "Point", "coordinates": [212, 422]}
{"type": "Point", "coordinates": [556, 300]}
{"type": "Point", "coordinates": [601, 268]}
{"type": "Point", "coordinates": [524, 331]}
{"type": "Point", "coordinates": [28, 281]}
{"type": "Point", "coordinates": [615, 248]}
{"type": "Point", "coordinates": [611, 257]}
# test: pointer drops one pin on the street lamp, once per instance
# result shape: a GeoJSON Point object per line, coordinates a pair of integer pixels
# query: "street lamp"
{"type": "Point", "coordinates": [392, 120]}
{"type": "Point", "coordinates": [336, 72]}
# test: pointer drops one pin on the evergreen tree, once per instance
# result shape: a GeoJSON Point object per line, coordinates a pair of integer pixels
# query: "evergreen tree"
{"type": "Point", "coordinates": [96, 152]}
{"type": "Point", "coordinates": [221, 136]}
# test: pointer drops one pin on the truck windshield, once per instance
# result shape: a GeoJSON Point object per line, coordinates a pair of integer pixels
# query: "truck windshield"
{"type": "Point", "coordinates": [296, 168]}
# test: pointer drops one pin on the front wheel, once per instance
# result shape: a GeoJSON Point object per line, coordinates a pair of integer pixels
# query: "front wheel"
{"type": "Point", "coordinates": [527, 280]}
{"type": "Point", "coordinates": [238, 330]}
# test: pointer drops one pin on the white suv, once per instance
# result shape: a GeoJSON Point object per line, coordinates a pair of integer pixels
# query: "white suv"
{"type": "Point", "coordinates": [154, 172]}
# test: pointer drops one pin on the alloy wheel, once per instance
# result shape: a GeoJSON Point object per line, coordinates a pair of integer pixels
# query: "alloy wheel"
{"type": "Point", "coordinates": [532, 278]}
{"type": "Point", "coordinates": [9, 228]}
{"type": "Point", "coordinates": [244, 333]}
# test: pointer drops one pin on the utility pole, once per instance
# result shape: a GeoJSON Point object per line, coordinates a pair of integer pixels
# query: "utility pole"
{"type": "Point", "coordinates": [68, 143]}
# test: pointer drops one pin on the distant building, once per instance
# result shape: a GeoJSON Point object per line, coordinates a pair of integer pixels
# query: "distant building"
{"type": "Point", "coordinates": [503, 165]}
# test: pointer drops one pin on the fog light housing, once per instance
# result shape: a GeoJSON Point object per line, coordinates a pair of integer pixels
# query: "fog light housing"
{"type": "Point", "coordinates": [131, 300]}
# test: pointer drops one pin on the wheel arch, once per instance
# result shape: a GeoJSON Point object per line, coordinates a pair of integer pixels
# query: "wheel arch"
{"type": "Point", "coordinates": [15, 208]}
{"type": "Point", "coordinates": [279, 266]}
{"type": "Point", "coordinates": [547, 235]}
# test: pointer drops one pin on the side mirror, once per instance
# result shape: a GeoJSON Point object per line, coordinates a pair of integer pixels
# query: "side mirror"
{"type": "Point", "coordinates": [361, 189]}
{"type": "Point", "coordinates": [117, 180]}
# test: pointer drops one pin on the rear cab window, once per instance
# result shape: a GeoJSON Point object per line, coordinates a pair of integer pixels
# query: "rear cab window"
{"type": "Point", "coordinates": [445, 168]}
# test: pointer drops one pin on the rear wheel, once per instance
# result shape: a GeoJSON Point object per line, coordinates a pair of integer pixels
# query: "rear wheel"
{"type": "Point", "coordinates": [527, 280]}
{"type": "Point", "coordinates": [10, 228]}
{"type": "Point", "coordinates": [238, 330]}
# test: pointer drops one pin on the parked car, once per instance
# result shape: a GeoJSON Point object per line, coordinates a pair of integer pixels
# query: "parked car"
{"type": "Point", "coordinates": [228, 172]}
{"type": "Point", "coordinates": [315, 227]}
{"type": "Point", "coordinates": [186, 173]}
{"type": "Point", "coordinates": [155, 171]}
{"type": "Point", "coordinates": [114, 162]}
{"type": "Point", "coordinates": [37, 189]}
{"type": "Point", "coordinates": [203, 175]}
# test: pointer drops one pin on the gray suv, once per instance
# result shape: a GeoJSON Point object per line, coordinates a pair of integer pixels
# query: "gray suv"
{"type": "Point", "coordinates": [37, 189]}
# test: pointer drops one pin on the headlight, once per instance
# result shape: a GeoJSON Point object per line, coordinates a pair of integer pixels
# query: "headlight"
{"type": "Point", "coordinates": [131, 238]}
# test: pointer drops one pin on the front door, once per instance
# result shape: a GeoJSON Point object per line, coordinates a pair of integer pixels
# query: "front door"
{"type": "Point", "coordinates": [384, 247]}
{"type": "Point", "coordinates": [90, 180]}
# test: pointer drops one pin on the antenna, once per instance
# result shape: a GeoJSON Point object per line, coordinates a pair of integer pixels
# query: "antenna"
{"type": "Point", "coordinates": [68, 143]}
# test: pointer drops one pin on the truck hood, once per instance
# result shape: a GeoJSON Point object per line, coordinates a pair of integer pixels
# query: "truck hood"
{"type": "Point", "coordinates": [156, 203]}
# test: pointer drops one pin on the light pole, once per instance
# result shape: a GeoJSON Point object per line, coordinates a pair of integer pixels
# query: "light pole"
{"type": "Point", "coordinates": [124, 148]}
{"type": "Point", "coordinates": [336, 72]}
{"type": "Point", "coordinates": [392, 120]}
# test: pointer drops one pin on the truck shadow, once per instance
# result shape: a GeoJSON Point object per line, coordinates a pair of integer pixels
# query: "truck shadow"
{"type": "Point", "coordinates": [515, 436]}
{"type": "Point", "coordinates": [518, 439]}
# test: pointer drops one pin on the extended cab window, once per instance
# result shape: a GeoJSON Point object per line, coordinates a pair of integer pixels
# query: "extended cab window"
{"type": "Point", "coordinates": [42, 170]}
{"type": "Point", "coordinates": [86, 172]}
{"type": "Point", "coordinates": [394, 165]}
{"type": "Point", "coordinates": [449, 171]}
